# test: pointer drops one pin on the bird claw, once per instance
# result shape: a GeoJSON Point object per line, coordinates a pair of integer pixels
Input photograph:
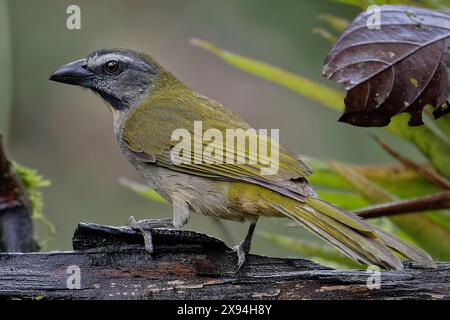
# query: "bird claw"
{"type": "Point", "coordinates": [148, 241]}
{"type": "Point", "coordinates": [145, 227]}
{"type": "Point", "coordinates": [242, 251]}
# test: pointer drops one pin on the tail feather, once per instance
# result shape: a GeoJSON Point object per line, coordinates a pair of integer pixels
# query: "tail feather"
{"type": "Point", "coordinates": [407, 250]}
{"type": "Point", "coordinates": [366, 245]}
{"type": "Point", "coordinates": [353, 236]}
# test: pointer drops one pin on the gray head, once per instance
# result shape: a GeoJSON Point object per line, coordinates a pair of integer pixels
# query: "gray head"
{"type": "Point", "coordinates": [121, 77]}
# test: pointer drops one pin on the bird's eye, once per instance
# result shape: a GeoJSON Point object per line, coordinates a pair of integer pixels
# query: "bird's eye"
{"type": "Point", "coordinates": [111, 67]}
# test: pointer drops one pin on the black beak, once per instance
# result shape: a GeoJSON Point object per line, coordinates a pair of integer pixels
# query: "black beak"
{"type": "Point", "coordinates": [74, 73]}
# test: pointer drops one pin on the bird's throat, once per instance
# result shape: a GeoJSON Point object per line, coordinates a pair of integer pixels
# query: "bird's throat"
{"type": "Point", "coordinates": [115, 102]}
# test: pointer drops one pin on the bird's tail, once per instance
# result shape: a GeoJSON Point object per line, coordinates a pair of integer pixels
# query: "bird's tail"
{"type": "Point", "coordinates": [352, 235]}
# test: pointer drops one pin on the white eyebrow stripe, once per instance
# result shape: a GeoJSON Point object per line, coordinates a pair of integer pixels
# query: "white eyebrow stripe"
{"type": "Point", "coordinates": [99, 60]}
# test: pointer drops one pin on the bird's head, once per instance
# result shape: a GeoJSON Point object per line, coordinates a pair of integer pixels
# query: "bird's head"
{"type": "Point", "coordinates": [123, 78]}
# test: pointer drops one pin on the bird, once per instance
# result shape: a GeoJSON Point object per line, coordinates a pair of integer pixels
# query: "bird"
{"type": "Point", "coordinates": [149, 104]}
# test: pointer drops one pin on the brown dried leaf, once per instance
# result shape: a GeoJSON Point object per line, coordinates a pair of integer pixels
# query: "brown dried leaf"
{"type": "Point", "coordinates": [401, 67]}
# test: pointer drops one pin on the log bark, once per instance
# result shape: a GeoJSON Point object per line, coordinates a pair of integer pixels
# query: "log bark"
{"type": "Point", "coordinates": [113, 264]}
{"type": "Point", "coordinates": [16, 227]}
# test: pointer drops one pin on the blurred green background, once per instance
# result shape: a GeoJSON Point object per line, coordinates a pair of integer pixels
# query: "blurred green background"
{"type": "Point", "coordinates": [66, 133]}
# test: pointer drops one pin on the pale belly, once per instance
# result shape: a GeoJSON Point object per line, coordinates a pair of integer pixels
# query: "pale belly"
{"type": "Point", "coordinates": [204, 196]}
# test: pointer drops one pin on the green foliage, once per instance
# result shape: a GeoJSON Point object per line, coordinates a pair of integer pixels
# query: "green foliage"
{"type": "Point", "coordinates": [325, 34]}
{"type": "Point", "coordinates": [336, 23]}
{"type": "Point", "coordinates": [308, 88]}
{"type": "Point", "coordinates": [444, 125]}
{"type": "Point", "coordinates": [429, 234]}
{"type": "Point", "coordinates": [434, 147]}
{"type": "Point", "coordinates": [33, 182]}
{"type": "Point", "coordinates": [353, 187]}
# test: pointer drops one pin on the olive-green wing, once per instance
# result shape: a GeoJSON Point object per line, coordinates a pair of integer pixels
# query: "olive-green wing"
{"type": "Point", "coordinates": [149, 129]}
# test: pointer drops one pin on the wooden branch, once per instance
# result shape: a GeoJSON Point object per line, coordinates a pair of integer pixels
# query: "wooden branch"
{"type": "Point", "coordinates": [16, 228]}
{"type": "Point", "coordinates": [186, 265]}
{"type": "Point", "coordinates": [439, 201]}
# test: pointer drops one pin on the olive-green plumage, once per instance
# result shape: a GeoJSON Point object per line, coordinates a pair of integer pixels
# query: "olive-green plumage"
{"type": "Point", "coordinates": [148, 106]}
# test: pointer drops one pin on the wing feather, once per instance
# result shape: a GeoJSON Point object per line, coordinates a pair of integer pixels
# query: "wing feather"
{"type": "Point", "coordinates": [149, 129]}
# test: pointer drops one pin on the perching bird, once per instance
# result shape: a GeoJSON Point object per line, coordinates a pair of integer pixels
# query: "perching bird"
{"type": "Point", "coordinates": [149, 103]}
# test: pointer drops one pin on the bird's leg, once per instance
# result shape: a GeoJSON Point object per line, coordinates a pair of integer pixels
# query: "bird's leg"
{"type": "Point", "coordinates": [145, 227]}
{"type": "Point", "coordinates": [243, 249]}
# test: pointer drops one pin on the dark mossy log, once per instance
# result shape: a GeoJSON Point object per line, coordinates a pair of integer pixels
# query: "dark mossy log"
{"type": "Point", "coordinates": [113, 264]}
{"type": "Point", "coordinates": [16, 228]}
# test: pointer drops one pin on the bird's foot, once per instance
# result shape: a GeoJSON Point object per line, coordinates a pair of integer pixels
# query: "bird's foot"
{"type": "Point", "coordinates": [242, 251]}
{"type": "Point", "coordinates": [145, 227]}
